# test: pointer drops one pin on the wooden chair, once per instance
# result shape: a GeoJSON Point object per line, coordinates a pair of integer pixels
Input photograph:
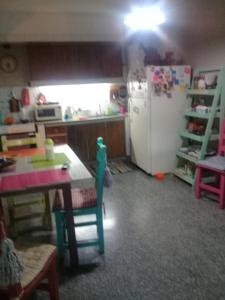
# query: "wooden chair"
{"type": "Point", "coordinates": [30, 210]}
{"type": "Point", "coordinates": [11, 141]}
{"type": "Point", "coordinates": [85, 202]}
{"type": "Point", "coordinates": [39, 262]}
{"type": "Point", "coordinates": [216, 166]}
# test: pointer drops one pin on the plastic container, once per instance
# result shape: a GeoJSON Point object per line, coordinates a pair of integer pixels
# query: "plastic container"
{"type": "Point", "coordinates": [49, 149]}
{"type": "Point", "coordinates": [122, 109]}
{"type": "Point", "coordinates": [160, 175]}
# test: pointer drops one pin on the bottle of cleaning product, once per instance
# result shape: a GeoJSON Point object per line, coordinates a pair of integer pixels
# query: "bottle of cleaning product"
{"type": "Point", "coordinates": [49, 149]}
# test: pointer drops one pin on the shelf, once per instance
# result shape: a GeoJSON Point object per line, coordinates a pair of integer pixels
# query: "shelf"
{"type": "Point", "coordinates": [191, 136]}
{"type": "Point", "coordinates": [186, 156]}
{"type": "Point", "coordinates": [179, 173]}
{"type": "Point", "coordinates": [195, 114]}
{"type": "Point", "coordinates": [214, 137]}
{"type": "Point", "coordinates": [198, 138]}
{"type": "Point", "coordinates": [201, 92]}
{"type": "Point", "coordinates": [206, 111]}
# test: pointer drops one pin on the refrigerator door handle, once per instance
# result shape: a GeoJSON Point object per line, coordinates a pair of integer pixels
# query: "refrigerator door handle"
{"type": "Point", "coordinates": [130, 109]}
{"type": "Point", "coordinates": [136, 110]}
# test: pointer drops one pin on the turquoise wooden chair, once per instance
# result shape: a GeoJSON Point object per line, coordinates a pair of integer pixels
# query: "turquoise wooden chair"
{"type": "Point", "coordinates": [85, 202]}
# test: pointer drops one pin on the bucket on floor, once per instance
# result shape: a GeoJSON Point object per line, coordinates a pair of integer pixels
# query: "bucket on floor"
{"type": "Point", "coordinates": [159, 175]}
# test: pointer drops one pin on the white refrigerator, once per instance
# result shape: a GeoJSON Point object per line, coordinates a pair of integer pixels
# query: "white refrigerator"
{"type": "Point", "coordinates": [157, 97]}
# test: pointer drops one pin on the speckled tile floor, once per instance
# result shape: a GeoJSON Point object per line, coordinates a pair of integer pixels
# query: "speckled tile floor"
{"type": "Point", "coordinates": [160, 244]}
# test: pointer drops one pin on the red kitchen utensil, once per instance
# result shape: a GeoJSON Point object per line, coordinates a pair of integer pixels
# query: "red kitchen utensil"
{"type": "Point", "coordinates": [41, 99]}
{"type": "Point", "coordinates": [25, 97]}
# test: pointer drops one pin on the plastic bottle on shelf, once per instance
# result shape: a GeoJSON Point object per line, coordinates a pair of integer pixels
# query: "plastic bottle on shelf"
{"type": "Point", "coordinates": [49, 149]}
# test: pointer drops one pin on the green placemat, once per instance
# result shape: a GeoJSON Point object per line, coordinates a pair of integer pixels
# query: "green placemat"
{"type": "Point", "coordinates": [39, 161]}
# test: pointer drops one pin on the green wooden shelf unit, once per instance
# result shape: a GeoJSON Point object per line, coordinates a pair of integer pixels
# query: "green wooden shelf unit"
{"type": "Point", "coordinates": [196, 144]}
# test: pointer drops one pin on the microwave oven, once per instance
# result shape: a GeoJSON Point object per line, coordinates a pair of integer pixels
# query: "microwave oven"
{"type": "Point", "coordinates": [48, 112]}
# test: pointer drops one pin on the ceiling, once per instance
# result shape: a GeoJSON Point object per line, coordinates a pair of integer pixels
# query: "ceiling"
{"type": "Point", "coordinates": [75, 6]}
{"type": "Point", "coordinates": [197, 19]}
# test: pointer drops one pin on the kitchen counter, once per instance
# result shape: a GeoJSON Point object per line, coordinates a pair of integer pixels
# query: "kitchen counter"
{"type": "Point", "coordinates": [88, 120]}
{"type": "Point", "coordinates": [114, 129]}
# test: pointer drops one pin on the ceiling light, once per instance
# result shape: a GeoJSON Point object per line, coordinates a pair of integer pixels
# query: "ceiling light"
{"type": "Point", "coordinates": [144, 18]}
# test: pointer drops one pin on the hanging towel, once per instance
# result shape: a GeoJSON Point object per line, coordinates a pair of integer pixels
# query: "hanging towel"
{"type": "Point", "coordinates": [25, 97]}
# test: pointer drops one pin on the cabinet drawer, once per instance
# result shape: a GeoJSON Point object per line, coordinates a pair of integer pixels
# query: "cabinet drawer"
{"type": "Point", "coordinates": [55, 130]}
{"type": "Point", "coordinates": [58, 140]}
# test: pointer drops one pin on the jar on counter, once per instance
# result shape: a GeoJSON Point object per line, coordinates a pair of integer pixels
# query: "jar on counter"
{"type": "Point", "coordinates": [49, 149]}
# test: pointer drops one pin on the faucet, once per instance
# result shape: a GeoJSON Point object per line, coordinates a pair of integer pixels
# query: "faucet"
{"type": "Point", "coordinates": [70, 112]}
{"type": "Point", "coordinates": [100, 111]}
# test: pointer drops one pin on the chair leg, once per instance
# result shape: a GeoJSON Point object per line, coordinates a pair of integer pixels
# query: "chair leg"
{"type": "Point", "coordinates": [222, 191]}
{"type": "Point", "coordinates": [47, 215]}
{"type": "Point", "coordinates": [59, 217]}
{"type": "Point", "coordinates": [198, 182]}
{"type": "Point", "coordinates": [53, 282]}
{"type": "Point", "coordinates": [104, 210]}
{"type": "Point", "coordinates": [100, 230]}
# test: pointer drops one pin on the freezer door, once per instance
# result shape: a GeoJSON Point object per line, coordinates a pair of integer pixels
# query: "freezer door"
{"type": "Point", "coordinates": [140, 132]}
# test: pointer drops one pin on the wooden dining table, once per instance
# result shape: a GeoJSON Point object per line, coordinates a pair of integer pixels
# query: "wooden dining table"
{"type": "Point", "coordinates": [32, 173]}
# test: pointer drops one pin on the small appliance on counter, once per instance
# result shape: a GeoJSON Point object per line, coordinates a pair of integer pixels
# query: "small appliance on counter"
{"type": "Point", "coordinates": [48, 112]}
{"type": "Point", "coordinates": [70, 113]}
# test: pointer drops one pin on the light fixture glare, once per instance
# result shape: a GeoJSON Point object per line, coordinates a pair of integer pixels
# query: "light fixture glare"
{"type": "Point", "coordinates": [144, 18]}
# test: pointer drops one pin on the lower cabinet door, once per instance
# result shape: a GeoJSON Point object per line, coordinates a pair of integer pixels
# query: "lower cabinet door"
{"type": "Point", "coordinates": [82, 139]}
{"type": "Point", "coordinates": [78, 141]}
{"type": "Point", "coordinates": [93, 132]}
{"type": "Point", "coordinates": [115, 139]}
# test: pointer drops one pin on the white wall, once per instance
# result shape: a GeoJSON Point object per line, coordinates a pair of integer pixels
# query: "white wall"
{"type": "Point", "coordinates": [56, 26]}
{"type": "Point", "coordinates": [4, 102]}
{"type": "Point", "coordinates": [20, 75]}
{"type": "Point", "coordinates": [207, 53]}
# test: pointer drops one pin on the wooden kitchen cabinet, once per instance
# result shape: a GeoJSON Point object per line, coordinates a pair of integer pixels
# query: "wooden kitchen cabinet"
{"type": "Point", "coordinates": [92, 133]}
{"type": "Point", "coordinates": [52, 61]}
{"type": "Point", "coordinates": [89, 63]}
{"type": "Point", "coordinates": [82, 139]}
{"type": "Point", "coordinates": [57, 133]}
{"type": "Point", "coordinates": [115, 139]}
{"type": "Point", "coordinates": [74, 60]}
{"type": "Point", "coordinates": [78, 141]}
{"type": "Point", "coordinates": [111, 60]}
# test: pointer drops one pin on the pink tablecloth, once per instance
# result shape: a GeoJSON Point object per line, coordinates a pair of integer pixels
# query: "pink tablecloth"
{"type": "Point", "coordinates": [32, 179]}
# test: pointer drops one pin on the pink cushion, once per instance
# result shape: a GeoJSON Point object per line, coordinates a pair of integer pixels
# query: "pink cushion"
{"type": "Point", "coordinates": [81, 198]}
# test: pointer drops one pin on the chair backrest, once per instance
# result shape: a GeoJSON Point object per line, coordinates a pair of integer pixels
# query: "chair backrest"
{"type": "Point", "coordinates": [8, 142]}
{"type": "Point", "coordinates": [100, 171]}
{"type": "Point", "coordinates": [221, 149]}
